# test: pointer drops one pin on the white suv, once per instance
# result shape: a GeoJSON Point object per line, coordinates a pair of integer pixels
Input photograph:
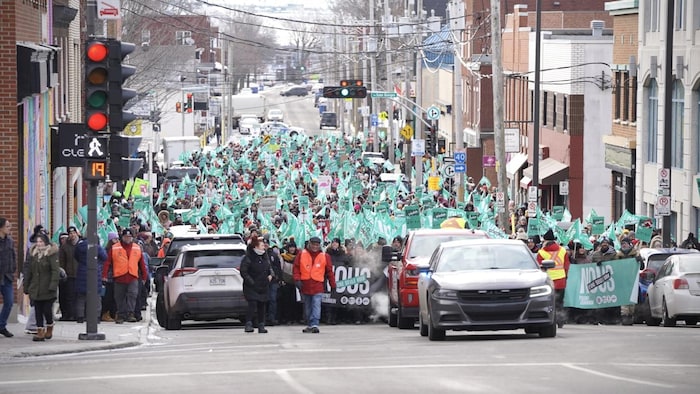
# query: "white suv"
{"type": "Point", "coordinates": [204, 284]}
{"type": "Point", "coordinates": [275, 115]}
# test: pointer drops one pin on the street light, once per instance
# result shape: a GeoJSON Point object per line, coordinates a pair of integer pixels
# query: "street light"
{"type": "Point", "coordinates": [182, 93]}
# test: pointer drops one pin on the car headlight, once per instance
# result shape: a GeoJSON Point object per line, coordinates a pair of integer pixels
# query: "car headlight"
{"type": "Point", "coordinates": [445, 294]}
{"type": "Point", "coordinates": [540, 291]}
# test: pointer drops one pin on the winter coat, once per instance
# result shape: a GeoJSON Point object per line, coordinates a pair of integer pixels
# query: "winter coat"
{"type": "Point", "coordinates": [600, 256]}
{"type": "Point", "coordinates": [255, 270]}
{"type": "Point", "coordinates": [8, 259]}
{"type": "Point", "coordinates": [81, 250]}
{"type": "Point", "coordinates": [67, 259]}
{"type": "Point", "coordinates": [41, 282]}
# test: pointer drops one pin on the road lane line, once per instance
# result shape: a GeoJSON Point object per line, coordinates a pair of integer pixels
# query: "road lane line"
{"type": "Point", "coordinates": [616, 377]}
{"type": "Point", "coordinates": [293, 383]}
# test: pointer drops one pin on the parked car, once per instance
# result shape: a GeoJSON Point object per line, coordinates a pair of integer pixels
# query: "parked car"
{"type": "Point", "coordinates": [486, 284]}
{"type": "Point", "coordinates": [374, 158]}
{"type": "Point", "coordinates": [329, 119]}
{"type": "Point", "coordinates": [674, 293]}
{"type": "Point", "coordinates": [249, 125]}
{"type": "Point", "coordinates": [651, 261]}
{"type": "Point", "coordinates": [274, 128]}
{"type": "Point", "coordinates": [406, 266]}
{"type": "Point", "coordinates": [295, 91]}
{"type": "Point", "coordinates": [204, 284]}
{"type": "Point", "coordinates": [162, 266]}
{"type": "Point", "coordinates": [275, 115]}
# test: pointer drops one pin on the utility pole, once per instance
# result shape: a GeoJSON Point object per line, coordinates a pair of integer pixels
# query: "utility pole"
{"type": "Point", "coordinates": [535, 146]}
{"type": "Point", "coordinates": [668, 113]}
{"type": "Point", "coordinates": [419, 91]}
{"type": "Point", "coordinates": [390, 85]}
{"type": "Point", "coordinates": [457, 102]}
{"type": "Point", "coordinates": [498, 128]}
{"type": "Point", "coordinates": [372, 50]}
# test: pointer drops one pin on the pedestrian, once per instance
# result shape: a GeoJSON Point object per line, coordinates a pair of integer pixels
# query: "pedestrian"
{"type": "Point", "coordinates": [41, 284]}
{"type": "Point", "coordinates": [257, 274]}
{"type": "Point", "coordinates": [275, 283]}
{"type": "Point", "coordinates": [290, 310]}
{"type": "Point", "coordinates": [66, 291]}
{"type": "Point", "coordinates": [81, 279]}
{"type": "Point", "coordinates": [628, 251]}
{"type": "Point", "coordinates": [604, 253]}
{"type": "Point", "coordinates": [109, 306]}
{"type": "Point", "coordinates": [551, 250]}
{"type": "Point", "coordinates": [8, 266]}
{"type": "Point", "coordinates": [312, 268]}
{"type": "Point", "coordinates": [129, 271]}
{"type": "Point", "coordinates": [338, 258]}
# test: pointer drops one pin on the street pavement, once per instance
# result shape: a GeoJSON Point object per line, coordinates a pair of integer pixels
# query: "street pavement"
{"type": "Point", "coordinates": [65, 338]}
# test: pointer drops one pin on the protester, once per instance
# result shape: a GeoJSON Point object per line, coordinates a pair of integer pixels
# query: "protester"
{"type": "Point", "coordinates": [257, 274]}
{"type": "Point", "coordinates": [290, 309]}
{"type": "Point", "coordinates": [8, 267]}
{"type": "Point", "coordinates": [604, 253]}
{"type": "Point", "coordinates": [66, 293]}
{"type": "Point", "coordinates": [41, 284]}
{"type": "Point", "coordinates": [552, 251]}
{"type": "Point", "coordinates": [312, 268]}
{"type": "Point", "coordinates": [126, 261]}
{"type": "Point", "coordinates": [275, 283]}
{"type": "Point", "coordinates": [628, 251]}
{"type": "Point", "coordinates": [81, 279]}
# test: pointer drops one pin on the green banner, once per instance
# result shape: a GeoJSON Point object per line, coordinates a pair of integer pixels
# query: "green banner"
{"type": "Point", "coordinates": [412, 216]}
{"type": "Point", "coordinates": [439, 216]}
{"type": "Point", "coordinates": [304, 203]}
{"type": "Point", "coordinates": [594, 286]}
{"type": "Point", "coordinates": [382, 207]}
{"type": "Point", "coordinates": [597, 224]}
{"type": "Point", "coordinates": [473, 219]}
{"type": "Point", "coordinates": [558, 212]}
{"type": "Point", "coordinates": [535, 227]}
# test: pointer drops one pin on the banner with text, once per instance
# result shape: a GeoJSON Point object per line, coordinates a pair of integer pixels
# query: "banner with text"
{"type": "Point", "coordinates": [593, 286]}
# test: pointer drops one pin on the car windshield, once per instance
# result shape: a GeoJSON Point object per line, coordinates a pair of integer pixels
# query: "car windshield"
{"type": "Point", "coordinates": [179, 173]}
{"type": "Point", "coordinates": [425, 245]}
{"type": "Point", "coordinates": [689, 266]}
{"type": "Point", "coordinates": [485, 257]}
{"type": "Point", "coordinates": [213, 258]}
{"type": "Point", "coordinates": [176, 245]}
{"type": "Point", "coordinates": [655, 261]}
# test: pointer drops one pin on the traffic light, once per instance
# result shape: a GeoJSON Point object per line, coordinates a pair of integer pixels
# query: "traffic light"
{"type": "Point", "coordinates": [123, 163]}
{"type": "Point", "coordinates": [178, 107]}
{"type": "Point", "coordinates": [96, 84]}
{"type": "Point", "coordinates": [429, 142]}
{"type": "Point", "coordinates": [118, 95]}
{"type": "Point", "coordinates": [188, 103]}
{"type": "Point", "coordinates": [344, 92]}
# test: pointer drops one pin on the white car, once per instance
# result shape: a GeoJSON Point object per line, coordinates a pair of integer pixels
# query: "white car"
{"type": "Point", "coordinates": [675, 292]}
{"type": "Point", "coordinates": [275, 115]}
{"type": "Point", "coordinates": [375, 158]}
{"type": "Point", "coordinates": [203, 284]}
{"type": "Point", "coordinates": [249, 125]}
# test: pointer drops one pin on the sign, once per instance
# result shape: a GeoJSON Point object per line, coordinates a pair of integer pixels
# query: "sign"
{"type": "Point", "coordinates": [95, 170]}
{"type": "Point", "coordinates": [532, 209]}
{"type": "Point", "coordinates": [412, 216]}
{"type": "Point", "coordinates": [488, 161]}
{"type": "Point", "coordinates": [663, 206]}
{"type": "Point", "coordinates": [448, 170]}
{"type": "Point", "coordinates": [563, 188]}
{"type": "Point", "coordinates": [603, 285]}
{"type": "Point", "coordinates": [439, 216]}
{"type": "Point", "coordinates": [268, 204]}
{"type": "Point", "coordinates": [383, 94]}
{"type": "Point", "coordinates": [434, 183]}
{"type": "Point", "coordinates": [96, 147]}
{"type": "Point", "coordinates": [597, 225]}
{"type": "Point", "coordinates": [501, 201]}
{"type": "Point", "coordinates": [418, 147]}
{"type": "Point", "coordinates": [512, 140]}
{"type": "Point", "coordinates": [558, 212]}
{"type": "Point", "coordinates": [109, 9]}
{"type": "Point", "coordinates": [374, 120]}
{"type": "Point", "coordinates": [460, 168]}
{"type": "Point", "coordinates": [407, 132]}
{"type": "Point", "coordinates": [532, 193]}
{"type": "Point", "coordinates": [460, 157]}
{"type": "Point", "coordinates": [432, 113]}
{"type": "Point", "coordinates": [325, 183]}
{"type": "Point", "coordinates": [67, 145]}
{"type": "Point", "coordinates": [664, 178]}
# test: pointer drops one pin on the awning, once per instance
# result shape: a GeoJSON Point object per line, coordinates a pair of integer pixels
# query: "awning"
{"type": "Point", "coordinates": [551, 172]}
{"type": "Point", "coordinates": [516, 162]}
{"type": "Point", "coordinates": [525, 182]}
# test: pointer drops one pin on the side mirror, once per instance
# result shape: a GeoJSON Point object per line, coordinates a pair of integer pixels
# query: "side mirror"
{"type": "Point", "coordinates": [547, 264]}
{"type": "Point", "coordinates": [387, 253]}
{"type": "Point", "coordinates": [154, 262]}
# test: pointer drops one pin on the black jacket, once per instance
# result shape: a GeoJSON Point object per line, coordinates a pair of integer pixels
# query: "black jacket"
{"type": "Point", "coordinates": [8, 259]}
{"type": "Point", "coordinates": [255, 269]}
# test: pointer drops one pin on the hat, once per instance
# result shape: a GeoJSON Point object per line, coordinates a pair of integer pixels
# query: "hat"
{"type": "Point", "coordinates": [127, 231]}
{"type": "Point", "coordinates": [626, 231]}
{"type": "Point", "coordinates": [38, 229]}
{"type": "Point", "coordinates": [44, 237]}
{"type": "Point", "coordinates": [604, 239]}
{"type": "Point", "coordinates": [398, 239]}
{"type": "Point", "coordinates": [337, 240]}
{"type": "Point", "coordinates": [522, 235]}
{"type": "Point", "coordinates": [315, 239]}
{"type": "Point", "coordinates": [112, 235]}
{"type": "Point", "coordinates": [549, 235]}
{"type": "Point", "coordinates": [71, 229]}
{"type": "Point", "coordinates": [62, 235]}
{"type": "Point", "coordinates": [623, 240]}
{"type": "Point", "coordinates": [531, 240]}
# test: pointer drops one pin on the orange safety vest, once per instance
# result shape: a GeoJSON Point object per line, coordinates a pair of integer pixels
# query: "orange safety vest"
{"type": "Point", "coordinates": [123, 264]}
{"type": "Point", "coordinates": [558, 271]}
{"type": "Point", "coordinates": [315, 270]}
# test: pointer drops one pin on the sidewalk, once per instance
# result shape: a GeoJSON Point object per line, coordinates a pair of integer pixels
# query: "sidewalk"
{"type": "Point", "coordinates": [65, 338]}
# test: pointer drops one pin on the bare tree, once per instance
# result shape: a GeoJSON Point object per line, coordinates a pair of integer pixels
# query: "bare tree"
{"type": "Point", "coordinates": [251, 46]}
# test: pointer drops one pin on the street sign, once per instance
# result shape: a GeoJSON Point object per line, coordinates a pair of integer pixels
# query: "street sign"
{"type": "Point", "coordinates": [532, 194]}
{"type": "Point", "coordinates": [564, 188]}
{"type": "Point", "coordinates": [96, 147]}
{"type": "Point", "coordinates": [488, 161]}
{"type": "Point", "coordinates": [418, 147]}
{"type": "Point", "coordinates": [448, 170]}
{"type": "Point", "coordinates": [501, 201]}
{"type": "Point", "coordinates": [663, 206]}
{"type": "Point", "coordinates": [460, 157]}
{"type": "Point", "coordinates": [383, 94]}
{"type": "Point", "coordinates": [374, 120]}
{"type": "Point", "coordinates": [67, 145]}
{"type": "Point", "coordinates": [461, 168]}
{"type": "Point", "coordinates": [664, 178]}
{"type": "Point", "coordinates": [512, 140]}
{"type": "Point", "coordinates": [407, 132]}
{"type": "Point", "coordinates": [532, 209]}
{"type": "Point", "coordinates": [109, 9]}
{"type": "Point", "coordinates": [433, 113]}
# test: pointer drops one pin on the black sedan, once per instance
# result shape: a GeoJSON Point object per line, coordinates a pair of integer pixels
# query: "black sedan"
{"type": "Point", "coordinates": [485, 284]}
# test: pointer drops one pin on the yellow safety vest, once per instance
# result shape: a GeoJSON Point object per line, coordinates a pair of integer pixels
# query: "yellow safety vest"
{"type": "Point", "coordinates": [558, 271]}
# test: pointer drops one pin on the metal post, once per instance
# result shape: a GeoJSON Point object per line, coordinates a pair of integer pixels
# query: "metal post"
{"type": "Point", "coordinates": [498, 130]}
{"type": "Point", "coordinates": [668, 113]}
{"type": "Point", "coordinates": [419, 84]}
{"type": "Point", "coordinates": [535, 146]}
{"type": "Point", "coordinates": [389, 85]}
{"type": "Point", "coordinates": [457, 111]}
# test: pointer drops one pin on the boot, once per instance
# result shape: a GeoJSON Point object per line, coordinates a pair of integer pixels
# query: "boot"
{"type": "Point", "coordinates": [261, 329]}
{"type": "Point", "coordinates": [40, 332]}
{"type": "Point", "coordinates": [49, 331]}
{"type": "Point", "coordinates": [106, 317]}
{"type": "Point", "coordinates": [248, 327]}
{"type": "Point", "coordinates": [131, 318]}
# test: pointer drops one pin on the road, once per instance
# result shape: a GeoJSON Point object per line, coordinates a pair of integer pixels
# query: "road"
{"type": "Point", "coordinates": [374, 358]}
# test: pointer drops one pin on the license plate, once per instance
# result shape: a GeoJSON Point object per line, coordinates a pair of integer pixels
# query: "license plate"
{"type": "Point", "coordinates": [217, 281]}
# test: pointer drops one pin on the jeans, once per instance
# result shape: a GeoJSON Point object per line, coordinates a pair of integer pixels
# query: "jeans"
{"type": "Point", "coordinates": [125, 295]}
{"type": "Point", "coordinates": [272, 301]}
{"type": "Point", "coordinates": [312, 308]}
{"type": "Point", "coordinates": [8, 298]}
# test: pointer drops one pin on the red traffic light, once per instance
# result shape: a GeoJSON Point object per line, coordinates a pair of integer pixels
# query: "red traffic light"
{"type": "Point", "coordinates": [97, 121]}
{"type": "Point", "coordinates": [97, 51]}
